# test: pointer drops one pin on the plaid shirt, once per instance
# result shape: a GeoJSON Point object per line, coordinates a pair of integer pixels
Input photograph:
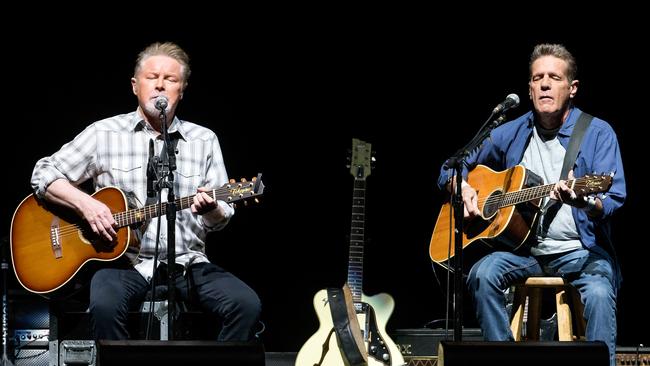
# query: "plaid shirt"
{"type": "Point", "coordinates": [115, 152]}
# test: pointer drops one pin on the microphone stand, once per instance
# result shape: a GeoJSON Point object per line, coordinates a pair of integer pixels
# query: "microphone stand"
{"type": "Point", "coordinates": [456, 162]}
{"type": "Point", "coordinates": [171, 224]}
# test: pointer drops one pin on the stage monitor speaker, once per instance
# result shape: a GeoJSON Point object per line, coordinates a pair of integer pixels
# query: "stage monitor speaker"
{"type": "Point", "coordinates": [523, 353]}
{"type": "Point", "coordinates": [167, 353]}
{"type": "Point", "coordinates": [280, 358]}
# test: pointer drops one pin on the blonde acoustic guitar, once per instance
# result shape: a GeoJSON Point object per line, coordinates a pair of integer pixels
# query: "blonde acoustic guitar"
{"type": "Point", "coordinates": [509, 202]}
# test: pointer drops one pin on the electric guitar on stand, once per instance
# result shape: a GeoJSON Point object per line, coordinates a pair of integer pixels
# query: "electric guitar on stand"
{"type": "Point", "coordinates": [372, 312]}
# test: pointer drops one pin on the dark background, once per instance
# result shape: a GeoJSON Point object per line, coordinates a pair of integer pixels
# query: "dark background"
{"type": "Point", "coordinates": [287, 89]}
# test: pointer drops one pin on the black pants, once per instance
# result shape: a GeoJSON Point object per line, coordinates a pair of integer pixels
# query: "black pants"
{"type": "Point", "coordinates": [113, 292]}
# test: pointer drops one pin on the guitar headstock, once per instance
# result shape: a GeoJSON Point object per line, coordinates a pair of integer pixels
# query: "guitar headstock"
{"type": "Point", "coordinates": [592, 184]}
{"type": "Point", "coordinates": [361, 159]}
{"type": "Point", "coordinates": [244, 190]}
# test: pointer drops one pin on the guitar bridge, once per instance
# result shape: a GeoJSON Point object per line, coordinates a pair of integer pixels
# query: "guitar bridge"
{"type": "Point", "coordinates": [55, 238]}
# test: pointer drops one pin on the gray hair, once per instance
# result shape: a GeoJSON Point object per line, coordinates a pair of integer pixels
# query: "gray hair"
{"type": "Point", "coordinates": [559, 51]}
{"type": "Point", "coordinates": [169, 49]}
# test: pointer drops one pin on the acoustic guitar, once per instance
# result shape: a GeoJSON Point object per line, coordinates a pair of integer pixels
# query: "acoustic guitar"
{"type": "Point", "coordinates": [509, 202]}
{"type": "Point", "coordinates": [49, 245]}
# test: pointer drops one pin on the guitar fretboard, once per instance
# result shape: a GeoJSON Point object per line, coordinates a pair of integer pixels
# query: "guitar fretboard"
{"type": "Point", "coordinates": [357, 239]}
{"type": "Point", "coordinates": [134, 216]}
{"type": "Point", "coordinates": [532, 193]}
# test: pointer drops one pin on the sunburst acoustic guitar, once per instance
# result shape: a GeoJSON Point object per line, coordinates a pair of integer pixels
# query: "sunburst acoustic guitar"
{"type": "Point", "coordinates": [50, 245]}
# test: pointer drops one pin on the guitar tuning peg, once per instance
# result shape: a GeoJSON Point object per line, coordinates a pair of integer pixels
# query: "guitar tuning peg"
{"type": "Point", "coordinates": [373, 159]}
{"type": "Point", "coordinates": [245, 203]}
{"type": "Point", "coordinates": [234, 205]}
{"type": "Point", "coordinates": [348, 165]}
{"type": "Point", "coordinates": [254, 179]}
{"type": "Point", "coordinates": [231, 181]}
{"type": "Point", "coordinates": [243, 180]}
{"type": "Point", "coordinates": [256, 200]}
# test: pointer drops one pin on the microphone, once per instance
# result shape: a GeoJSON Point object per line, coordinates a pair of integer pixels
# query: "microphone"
{"type": "Point", "coordinates": [512, 100]}
{"type": "Point", "coordinates": [161, 102]}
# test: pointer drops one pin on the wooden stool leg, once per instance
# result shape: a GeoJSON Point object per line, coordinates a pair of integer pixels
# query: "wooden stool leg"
{"type": "Point", "coordinates": [518, 312]}
{"type": "Point", "coordinates": [579, 311]}
{"type": "Point", "coordinates": [564, 325]}
{"type": "Point", "coordinates": [534, 305]}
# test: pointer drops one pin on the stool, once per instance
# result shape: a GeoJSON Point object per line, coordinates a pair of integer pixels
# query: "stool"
{"type": "Point", "coordinates": [160, 310]}
{"type": "Point", "coordinates": [532, 289]}
{"type": "Point", "coordinates": [190, 323]}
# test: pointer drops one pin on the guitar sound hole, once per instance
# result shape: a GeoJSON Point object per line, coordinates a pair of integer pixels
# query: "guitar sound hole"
{"type": "Point", "coordinates": [491, 204]}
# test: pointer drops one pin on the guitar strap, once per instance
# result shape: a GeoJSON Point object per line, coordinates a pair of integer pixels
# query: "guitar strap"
{"type": "Point", "coordinates": [574, 143]}
{"type": "Point", "coordinates": [346, 326]}
{"type": "Point", "coordinates": [572, 150]}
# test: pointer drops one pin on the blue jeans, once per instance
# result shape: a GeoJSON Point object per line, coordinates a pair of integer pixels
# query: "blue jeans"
{"type": "Point", "coordinates": [590, 273]}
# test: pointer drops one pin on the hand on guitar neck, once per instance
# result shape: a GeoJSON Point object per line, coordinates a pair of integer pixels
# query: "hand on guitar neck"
{"type": "Point", "coordinates": [565, 194]}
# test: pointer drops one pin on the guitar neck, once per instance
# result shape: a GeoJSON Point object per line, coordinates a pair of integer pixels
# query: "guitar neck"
{"type": "Point", "coordinates": [533, 193]}
{"type": "Point", "coordinates": [138, 215]}
{"type": "Point", "coordinates": [357, 240]}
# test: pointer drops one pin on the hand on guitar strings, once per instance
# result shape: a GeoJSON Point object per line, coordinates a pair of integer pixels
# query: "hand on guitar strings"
{"type": "Point", "coordinates": [563, 193]}
{"type": "Point", "coordinates": [99, 218]}
{"type": "Point", "coordinates": [470, 200]}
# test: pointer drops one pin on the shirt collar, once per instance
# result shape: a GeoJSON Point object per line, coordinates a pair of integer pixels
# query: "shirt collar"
{"type": "Point", "coordinates": [567, 126]}
{"type": "Point", "coordinates": [138, 123]}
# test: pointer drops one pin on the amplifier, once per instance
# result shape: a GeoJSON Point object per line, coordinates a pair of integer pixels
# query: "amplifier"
{"type": "Point", "coordinates": [31, 338]}
{"type": "Point", "coordinates": [417, 342]}
{"type": "Point", "coordinates": [634, 356]}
